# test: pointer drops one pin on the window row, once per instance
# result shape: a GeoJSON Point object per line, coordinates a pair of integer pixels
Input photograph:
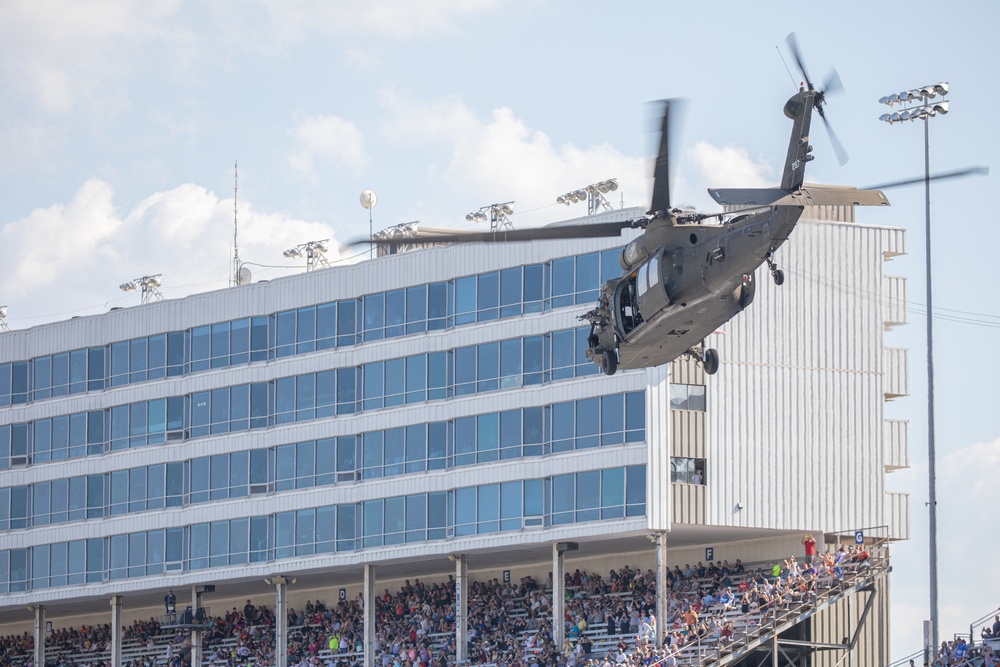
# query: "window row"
{"type": "Point", "coordinates": [393, 382]}
{"type": "Point", "coordinates": [491, 508]}
{"type": "Point", "coordinates": [413, 310]}
{"type": "Point", "coordinates": [537, 431]}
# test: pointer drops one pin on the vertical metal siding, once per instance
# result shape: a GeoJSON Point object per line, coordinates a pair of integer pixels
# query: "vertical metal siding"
{"type": "Point", "coordinates": [895, 300]}
{"type": "Point", "coordinates": [898, 515]}
{"type": "Point", "coordinates": [688, 433]}
{"type": "Point", "coordinates": [795, 414]}
{"type": "Point", "coordinates": [685, 370]}
{"type": "Point", "coordinates": [834, 624]}
{"type": "Point", "coordinates": [897, 444]}
{"type": "Point", "coordinates": [897, 380]}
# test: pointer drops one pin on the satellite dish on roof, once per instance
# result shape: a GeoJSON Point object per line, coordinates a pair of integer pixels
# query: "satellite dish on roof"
{"type": "Point", "coordinates": [368, 199]}
{"type": "Point", "coordinates": [244, 276]}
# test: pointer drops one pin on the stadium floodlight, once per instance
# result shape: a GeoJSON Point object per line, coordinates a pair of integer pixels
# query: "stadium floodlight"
{"type": "Point", "coordinates": [593, 194]}
{"type": "Point", "coordinates": [150, 286]}
{"type": "Point", "coordinates": [3, 319]}
{"type": "Point", "coordinates": [924, 110]}
{"type": "Point", "coordinates": [496, 214]}
{"type": "Point", "coordinates": [314, 251]}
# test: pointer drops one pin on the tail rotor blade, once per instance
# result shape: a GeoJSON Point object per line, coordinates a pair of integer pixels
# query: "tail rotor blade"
{"type": "Point", "coordinates": [838, 148]}
{"type": "Point", "coordinates": [832, 84]}
{"type": "Point", "coordinates": [793, 46]}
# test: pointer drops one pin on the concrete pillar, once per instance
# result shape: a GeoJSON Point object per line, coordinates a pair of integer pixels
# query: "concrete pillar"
{"type": "Point", "coordinates": [461, 607]}
{"type": "Point", "coordinates": [280, 584]}
{"type": "Point", "coordinates": [39, 635]}
{"type": "Point", "coordinates": [117, 606]}
{"type": "Point", "coordinates": [196, 656]}
{"type": "Point", "coordinates": [661, 584]}
{"type": "Point", "coordinates": [558, 595]}
{"type": "Point", "coordinates": [369, 620]}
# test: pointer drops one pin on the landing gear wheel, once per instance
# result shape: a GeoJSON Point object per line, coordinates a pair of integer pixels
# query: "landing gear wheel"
{"type": "Point", "coordinates": [609, 362]}
{"type": "Point", "coordinates": [778, 275]}
{"type": "Point", "coordinates": [711, 361]}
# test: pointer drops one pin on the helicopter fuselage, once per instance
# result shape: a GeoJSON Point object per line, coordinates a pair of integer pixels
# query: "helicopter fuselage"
{"type": "Point", "coordinates": [697, 280]}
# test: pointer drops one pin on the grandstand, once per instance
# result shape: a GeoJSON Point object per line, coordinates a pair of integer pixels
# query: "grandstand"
{"type": "Point", "coordinates": [428, 416]}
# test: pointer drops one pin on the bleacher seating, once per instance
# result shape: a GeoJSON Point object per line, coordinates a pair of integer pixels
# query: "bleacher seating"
{"type": "Point", "coordinates": [713, 611]}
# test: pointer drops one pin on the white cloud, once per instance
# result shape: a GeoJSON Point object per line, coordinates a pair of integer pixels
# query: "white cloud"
{"type": "Point", "coordinates": [968, 531]}
{"type": "Point", "coordinates": [502, 157]}
{"type": "Point", "coordinates": [73, 256]}
{"type": "Point", "coordinates": [55, 55]}
{"type": "Point", "coordinates": [322, 140]}
{"type": "Point", "coordinates": [396, 19]}
{"type": "Point", "coordinates": [729, 167]}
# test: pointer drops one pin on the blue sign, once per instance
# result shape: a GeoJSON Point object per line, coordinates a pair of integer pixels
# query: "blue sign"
{"type": "Point", "coordinates": [506, 576]}
{"type": "Point", "coordinates": [709, 553]}
{"type": "Point", "coordinates": [859, 537]}
{"type": "Point", "coordinates": [343, 594]}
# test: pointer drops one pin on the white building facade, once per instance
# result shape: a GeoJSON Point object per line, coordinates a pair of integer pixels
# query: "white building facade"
{"type": "Point", "coordinates": [435, 402]}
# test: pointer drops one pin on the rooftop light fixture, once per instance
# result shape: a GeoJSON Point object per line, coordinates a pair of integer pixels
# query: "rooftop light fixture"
{"type": "Point", "coordinates": [593, 194]}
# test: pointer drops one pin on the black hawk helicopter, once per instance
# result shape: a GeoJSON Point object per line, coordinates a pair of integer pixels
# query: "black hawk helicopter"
{"type": "Point", "coordinates": [688, 273]}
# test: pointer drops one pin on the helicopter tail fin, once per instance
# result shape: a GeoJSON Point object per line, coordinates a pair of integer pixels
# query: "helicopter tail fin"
{"type": "Point", "coordinates": [807, 195]}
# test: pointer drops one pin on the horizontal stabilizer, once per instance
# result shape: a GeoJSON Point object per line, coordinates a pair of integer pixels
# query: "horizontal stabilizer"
{"type": "Point", "coordinates": [835, 195]}
{"type": "Point", "coordinates": [807, 195]}
{"type": "Point", "coordinates": [747, 196]}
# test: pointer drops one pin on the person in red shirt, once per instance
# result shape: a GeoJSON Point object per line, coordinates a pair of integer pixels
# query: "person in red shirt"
{"type": "Point", "coordinates": [810, 544]}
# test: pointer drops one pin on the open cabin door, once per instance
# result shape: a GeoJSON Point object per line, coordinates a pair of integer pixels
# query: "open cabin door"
{"type": "Point", "coordinates": [641, 294]}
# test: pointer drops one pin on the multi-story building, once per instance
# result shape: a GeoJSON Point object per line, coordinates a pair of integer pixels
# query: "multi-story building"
{"type": "Point", "coordinates": [371, 420]}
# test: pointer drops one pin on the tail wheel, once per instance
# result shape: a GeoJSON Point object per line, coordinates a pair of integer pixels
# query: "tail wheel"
{"type": "Point", "coordinates": [609, 362]}
{"type": "Point", "coordinates": [711, 361]}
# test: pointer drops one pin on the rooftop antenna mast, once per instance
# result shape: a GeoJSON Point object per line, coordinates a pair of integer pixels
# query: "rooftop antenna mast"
{"type": "Point", "coordinates": [241, 274]}
{"type": "Point", "coordinates": [368, 201]}
{"type": "Point", "coordinates": [235, 278]}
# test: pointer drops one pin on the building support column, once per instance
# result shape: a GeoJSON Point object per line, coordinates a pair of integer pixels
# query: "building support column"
{"type": "Point", "coordinates": [196, 653]}
{"type": "Point", "coordinates": [662, 596]}
{"type": "Point", "coordinates": [369, 616]}
{"type": "Point", "coordinates": [39, 634]}
{"type": "Point", "coordinates": [280, 584]}
{"type": "Point", "coordinates": [559, 591]}
{"type": "Point", "coordinates": [461, 607]}
{"type": "Point", "coordinates": [117, 605]}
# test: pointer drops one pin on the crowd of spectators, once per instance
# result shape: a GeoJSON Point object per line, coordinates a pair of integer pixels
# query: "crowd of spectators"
{"type": "Point", "coordinates": [609, 622]}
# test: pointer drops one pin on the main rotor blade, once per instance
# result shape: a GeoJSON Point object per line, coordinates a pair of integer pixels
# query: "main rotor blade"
{"type": "Point", "coordinates": [943, 176]}
{"type": "Point", "coordinates": [661, 172]}
{"type": "Point", "coordinates": [793, 46]}
{"type": "Point", "coordinates": [602, 229]}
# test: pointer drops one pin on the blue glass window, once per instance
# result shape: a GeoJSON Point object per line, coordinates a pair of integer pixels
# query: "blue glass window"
{"type": "Point", "coordinates": [395, 313]}
{"type": "Point", "coordinates": [465, 300]}
{"type": "Point", "coordinates": [374, 316]}
{"type": "Point", "coordinates": [416, 309]}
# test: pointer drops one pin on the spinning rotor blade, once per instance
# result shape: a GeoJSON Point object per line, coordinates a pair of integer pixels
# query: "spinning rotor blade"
{"type": "Point", "coordinates": [842, 155]}
{"type": "Point", "coordinates": [943, 176]}
{"type": "Point", "coordinates": [661, 173]}
{"type": "Point", "coordinates": [793, 46]}
{"type": "Point", "coordinates": [833, 84]}
{"type": "Point", "coordinates": [602, 229]}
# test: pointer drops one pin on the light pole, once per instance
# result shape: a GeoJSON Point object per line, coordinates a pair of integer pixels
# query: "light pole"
{"type": "Point", "coordinates": [916, 105]}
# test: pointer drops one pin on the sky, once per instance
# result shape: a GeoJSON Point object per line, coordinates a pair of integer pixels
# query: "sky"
{"type": "Point", "coordinates": [121, 122]}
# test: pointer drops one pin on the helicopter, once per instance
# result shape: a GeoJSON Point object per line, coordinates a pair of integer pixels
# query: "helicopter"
{"type": "Point", "coordinates": [688, 273]}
